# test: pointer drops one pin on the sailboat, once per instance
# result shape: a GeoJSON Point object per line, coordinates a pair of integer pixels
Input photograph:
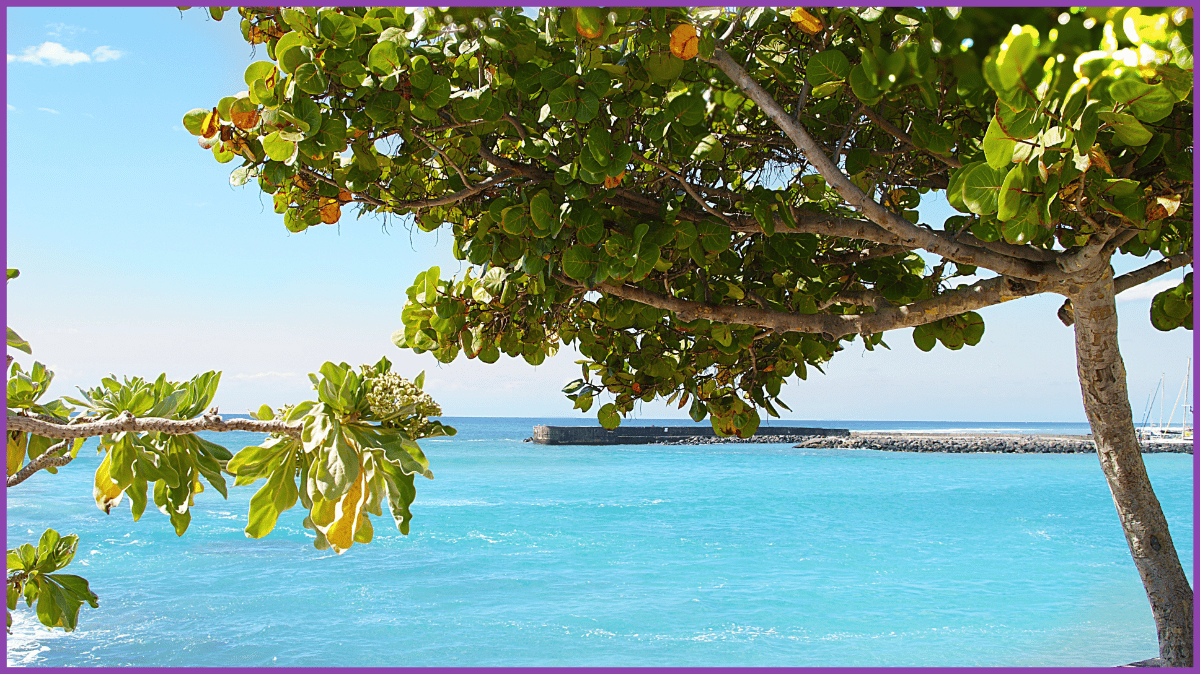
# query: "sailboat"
{"type": "Point", "coordinates": [1168, 434]}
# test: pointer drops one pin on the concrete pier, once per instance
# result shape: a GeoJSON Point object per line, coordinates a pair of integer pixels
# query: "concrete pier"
{"type": "Point", "coordinates": [642, 435]}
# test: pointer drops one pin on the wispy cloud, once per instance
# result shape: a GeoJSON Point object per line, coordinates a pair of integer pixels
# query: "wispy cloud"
{"type": "Point", "coordinates": [50, 53]}
{"type": "Point", "coordinates": [11, 107]}
{"type": "Point", "coordinates": [105, 53]}
{"type": "Point", "coordinates": [49, 110]}
{"type": "Point", "coordinates": [1148, 290]}
{"type": "Point", "coordinates": [63, 30]}
{"type": "Point", "coordinates": [260, 375]}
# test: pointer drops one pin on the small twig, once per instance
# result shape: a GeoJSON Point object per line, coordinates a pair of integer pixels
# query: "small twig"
{"type": "Point", "coordinates": [687, 188]}
{"type": "Point", "coordinates": [445, 157]}
{"type": "Point", "coordinates": [47, 460]}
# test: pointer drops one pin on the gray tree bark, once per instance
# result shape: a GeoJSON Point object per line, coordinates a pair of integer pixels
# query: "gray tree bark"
{"type": "Point", "coordinates": [1106, 401]}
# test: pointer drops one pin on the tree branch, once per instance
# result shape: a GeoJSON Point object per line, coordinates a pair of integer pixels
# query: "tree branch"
{"type": "Point", "coordinates": [130, 424]}
{"type": "Point", "coordinates": [904, 137]}
{"type": "Point", "coordinates": [47, 460]}
{"type": "Point", "coordinates": [962, 299]}
{"type": "Point", "coordinates": [909, 234]}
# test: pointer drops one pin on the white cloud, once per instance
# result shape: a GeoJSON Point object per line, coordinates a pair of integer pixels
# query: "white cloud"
{"type": "Point", "coordinates": [1148, 290]}
{"type": "Point", "coordinates": [11, 58]}
{"type": "Point", "coordinates": [49, 110]}
{"type": "Point", "coordinates": [105, 53]}
{"type": "Point", "coordinates": [52, 53]}
{"type": "Point", "coordinates": [11, 107]}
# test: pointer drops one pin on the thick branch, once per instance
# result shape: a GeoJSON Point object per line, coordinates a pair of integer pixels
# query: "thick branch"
{"type": "Point", "coordinates": [962, 299]}
{"type": "Point", "coordinates": [910, 235]}
{"type": "Point", "coordinates": [845, 259]}
{"type": "Point", "coordinates": [130, 424]}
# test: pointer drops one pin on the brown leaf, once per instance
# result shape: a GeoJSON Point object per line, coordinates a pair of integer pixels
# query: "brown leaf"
{"type": "Point", "coordinates": [684, 41]}
{"type": "Point", "coordinates": [807, 22]}
{"type": "Point", "coordinates": [244, 120]}
{"type": "Point", "coordinates": [611, 182]}
{"type": "Point", "coordinates": [331, 211]}
{"type": "Point", "coordinates": [1099, 159]}
{"type": "Point", "coordinates": [345, 196]}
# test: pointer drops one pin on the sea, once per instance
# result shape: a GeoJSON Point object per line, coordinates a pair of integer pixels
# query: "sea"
{"type": "Point", "coordinates": [730, 555]}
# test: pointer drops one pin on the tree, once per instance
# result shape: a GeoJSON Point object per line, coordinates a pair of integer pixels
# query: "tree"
{"type": "Point", "coordinates": [351, 450]}
{"type": "Point", "coordinates": [705, 203]}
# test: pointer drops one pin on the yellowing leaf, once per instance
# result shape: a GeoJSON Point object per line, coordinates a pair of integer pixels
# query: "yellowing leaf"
{"type": "Point", "coordinates": [17, 440]}
{"type": "Point", "coordinates": [611, 182]}
{"type": "Point", "coordinates": [341, 532]}
{"type": "Point", "coordinates": [106, 492]}
{"type": "Point", "coordinates": [345, 196]}
{"type": "Point", "coordinates": [211, 125]}
{"type": "Point", "coordinates": [1158, 209]}
{"type": "Point", "coordinates": [807, 22]}
{"type": "Point", "coordinates": [331, 210]}
{"type": "Point", "coordinates": [684, 42]}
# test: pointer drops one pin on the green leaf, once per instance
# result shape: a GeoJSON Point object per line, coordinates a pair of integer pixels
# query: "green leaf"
{"type": "Point", "coordinates": [1016, 56]}
{"type": "Point", "coordinates": [827, 66]}
{"type": "Point", "coordinates": [277, 148]}
{"type": "Point", "coordinates": [998, 146]}
{"type": "Point", "coordinates": [863, 87]}
{"type": "Point", "coordinates": [1012, 193]}
{"type": "Point", "coordinates": [923, 339]}
{"type": "Point", "coordinates": [544, 213]}
{"type": "Point", "coordinates": [564, 102]}
{"type": "Point", "coordinates": [1127, 128]}
{"type": "Point", "coordinates": [258, 71]}
{"type": "Point", "coordinates": [384, 58]}
{"type": "Point", "coordinates": [310, 80]}
{"type": "Point", "coordinates": [193, 120]}
{"type": "Point", "coordinates": [16, 342]}
{"type": "Point", "coordinates": [608, 416]}
{"type": "Point", "coordinates": [1148, 102]}
{"type": "Point", "coordinates": [981, 188]}
{"type": "Point", "coordinates": [579, 262]}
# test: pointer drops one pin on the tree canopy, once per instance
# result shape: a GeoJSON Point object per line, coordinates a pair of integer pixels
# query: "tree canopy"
{"type": "Point", "coordinates": [705, 203]}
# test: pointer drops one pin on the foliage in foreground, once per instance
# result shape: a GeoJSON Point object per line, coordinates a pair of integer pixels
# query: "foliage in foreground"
{"type": "Point", "coordinates": [342, 456]}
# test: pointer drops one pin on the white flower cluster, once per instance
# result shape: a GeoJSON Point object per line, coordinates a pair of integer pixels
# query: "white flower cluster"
{"type": "Point", "coordinates": [390, 393]}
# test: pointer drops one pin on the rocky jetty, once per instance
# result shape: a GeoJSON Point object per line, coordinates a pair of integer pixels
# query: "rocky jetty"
{"type": "Point", "coordinates": [960, 444]}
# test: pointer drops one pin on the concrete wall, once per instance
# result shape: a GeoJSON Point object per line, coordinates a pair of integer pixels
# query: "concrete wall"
{"type": "Point", "coordinates": [640, 435]}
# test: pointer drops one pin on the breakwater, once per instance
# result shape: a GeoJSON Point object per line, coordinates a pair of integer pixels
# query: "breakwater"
{"type": "Point", "coordinates": [959, 444]}
{"type": "Point", "coordinates": [674, 435]}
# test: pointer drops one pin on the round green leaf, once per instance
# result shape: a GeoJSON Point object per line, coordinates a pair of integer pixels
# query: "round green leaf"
{"type": "Point", "coordinates": [564, 102]}
{"type": "Point", "coordinates": [579, 262]}
{"type": "Point", "coordinates": [278, 148]}
{"type": "Point", "coordinates": [258, 70]}
{"type": "Point", "coordinates": [384, 58]}
{"type": "Point", "coordinates": [981, 188]}
{"type": "Point", "coordinates": [830, 65]}
{"type": "Point", "coordinates": [1012, 193]}
{"type": "Point", "coordinates": [1148, 102]}
{"type": "Point", "coordinates": [1127, 128]}
{"type": "Point", "coordinates": [193, 120]}
{"type": "Point", "coordinates": [608, 416]}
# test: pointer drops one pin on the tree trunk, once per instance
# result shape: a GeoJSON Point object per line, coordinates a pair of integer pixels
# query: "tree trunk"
{"type": "Point", "coordinates": [1106, 400]}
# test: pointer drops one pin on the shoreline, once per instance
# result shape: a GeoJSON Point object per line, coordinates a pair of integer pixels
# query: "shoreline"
{"type": "Point", "coordinates": [947, 443]}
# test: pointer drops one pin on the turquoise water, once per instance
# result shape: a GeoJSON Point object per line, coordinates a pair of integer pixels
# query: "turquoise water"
{"type": "Point", "coordinates": [727, 555]}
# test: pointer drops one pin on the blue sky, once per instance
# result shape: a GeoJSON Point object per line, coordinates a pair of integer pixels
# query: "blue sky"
{"type": "Point", "coordinates": [137, 257]}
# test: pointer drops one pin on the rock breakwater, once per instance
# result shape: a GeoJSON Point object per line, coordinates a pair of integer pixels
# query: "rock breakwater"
{"type": "Point", "coordinates": [962, 444]}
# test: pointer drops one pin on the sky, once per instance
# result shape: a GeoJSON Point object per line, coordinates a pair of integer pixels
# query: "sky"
{"type": "Point", "coordinates": [137, 257]}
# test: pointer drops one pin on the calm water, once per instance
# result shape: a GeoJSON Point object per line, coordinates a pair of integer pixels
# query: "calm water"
{"type": "Point", "coordinates": [733, 555]}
